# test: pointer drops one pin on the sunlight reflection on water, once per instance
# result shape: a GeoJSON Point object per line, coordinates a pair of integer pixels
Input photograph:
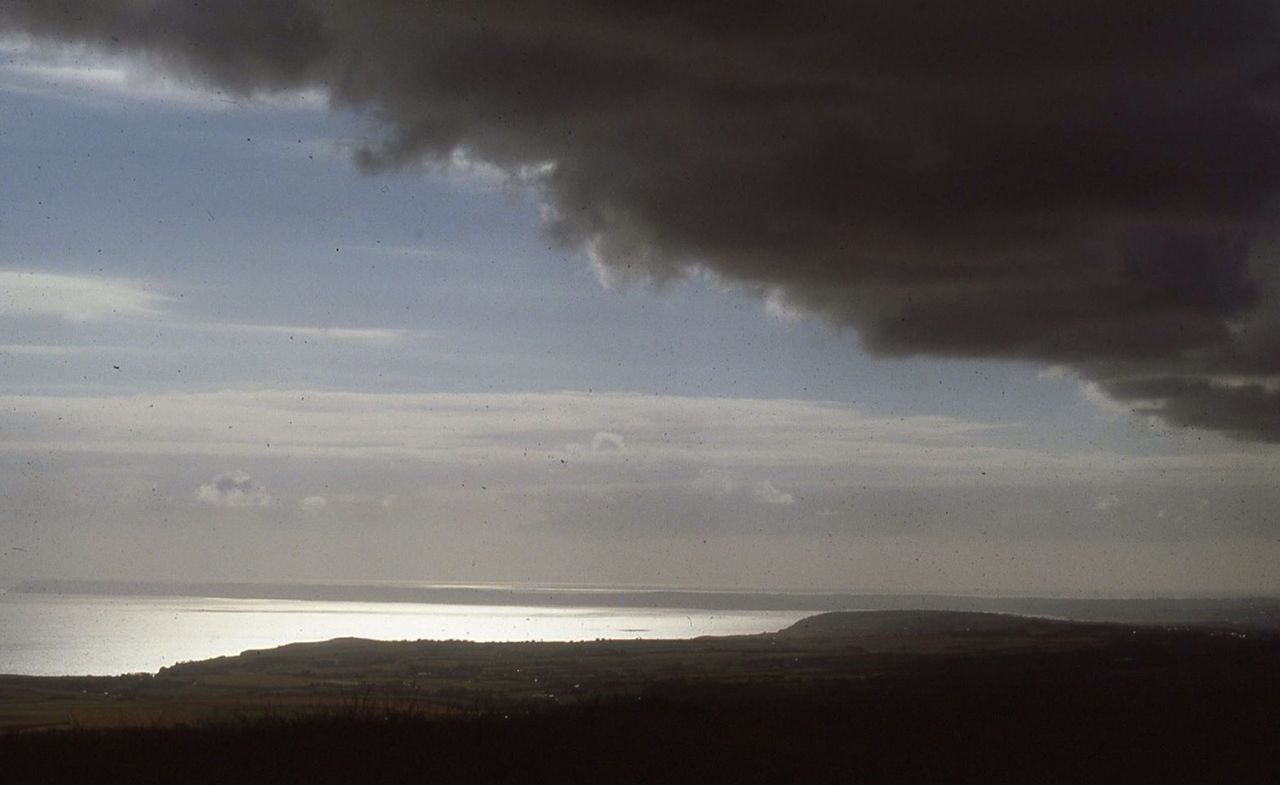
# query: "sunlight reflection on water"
{"type": "Point", "coordinates": [48, 635]}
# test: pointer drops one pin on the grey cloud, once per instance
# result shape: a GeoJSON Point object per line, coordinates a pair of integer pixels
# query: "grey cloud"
{"type": "Point", "coordinates": [234, 489]}
{"type": "Point", "coordinates": [721, 484]}
{"type": "Point", "coordinates": [1001, 513]}
{"type": "Point", "coordinates": [716, 482]}
{"type": "Point", "coordinates": [1088, 183]}
{"type": "Point", "coordinates": [607, 440]}
{"type": "Point", "coordinates": [1245, 411]}
{"type": "Point", "coordinates": [1104, 503]}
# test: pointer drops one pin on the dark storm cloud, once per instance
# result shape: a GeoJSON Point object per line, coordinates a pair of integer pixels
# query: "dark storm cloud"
{"type": "Point", "coordinates": [1240, 410]}
{"type": "Point", "coordinates": [1089, 183]}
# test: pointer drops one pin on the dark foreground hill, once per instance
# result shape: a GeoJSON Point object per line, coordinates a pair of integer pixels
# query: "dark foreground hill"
{"type": "Point", "coordinates": [866, 697]}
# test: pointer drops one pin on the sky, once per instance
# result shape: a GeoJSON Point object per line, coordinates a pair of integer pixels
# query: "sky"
{"type": "Point", "coordinates": [852, 300]}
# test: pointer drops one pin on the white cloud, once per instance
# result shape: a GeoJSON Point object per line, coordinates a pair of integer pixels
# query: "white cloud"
{"type": "Point", "coordinates": [71, 74]}
{"type": "Point", "coordinates": [82, 298]}
{"type": "Point", "coordinates": [1056, 373]}
{"type": "Point", "coordinates": [1094, 394]}
{"type": "Point", "coordinates": [777, 306]}
{"type": "Point", "coordinates": [313, 503]}
{"type": "Point", "coordinates": [375, 336]}
{"type": "Point", "coordinates": [59, 350]}
{"type": "Point", "coordinates": [766, 492]}
{"type": "Point", "coordinates": [234, 489]}
{"type": "Point", "coordinates": [662, 431]}
{"type": "Point", "coordinates": [604, 446]}
{"type": "Point", "coordinates": [75, 298]}
{"type": "Point", "coordinates": [669, 439]}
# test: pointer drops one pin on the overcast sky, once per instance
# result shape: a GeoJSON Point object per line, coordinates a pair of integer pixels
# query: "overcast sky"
{"type": "Point", "coordinates": [335, 291]}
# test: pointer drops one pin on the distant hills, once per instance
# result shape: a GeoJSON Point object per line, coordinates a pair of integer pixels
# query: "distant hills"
{"type": "Point", "coordinates": [920, 623]}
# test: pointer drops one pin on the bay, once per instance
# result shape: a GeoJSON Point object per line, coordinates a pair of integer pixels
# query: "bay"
{"type": "Point", "coordinates": [57, 635]}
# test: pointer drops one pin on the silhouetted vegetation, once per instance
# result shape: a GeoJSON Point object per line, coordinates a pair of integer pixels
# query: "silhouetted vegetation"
{"type": "Point", "coordinates": [1055, 727]}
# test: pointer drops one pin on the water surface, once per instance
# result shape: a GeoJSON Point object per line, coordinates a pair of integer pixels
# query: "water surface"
{"type": "Point", "coordinates": [53, 635]}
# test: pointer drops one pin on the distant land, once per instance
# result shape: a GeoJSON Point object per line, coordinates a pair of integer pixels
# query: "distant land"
{"type": "Point", "coordinates": [449, 677]}
{"type": "Point", "coordinates": [1258, 612]}
{"type": "Point", "coordinates": [880, 696]}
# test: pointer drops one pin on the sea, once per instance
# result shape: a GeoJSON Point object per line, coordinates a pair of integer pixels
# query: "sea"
{"type": "Point", "coordinates": [103, 628]}
{"type": "Point", "coordinates": [102, 635]}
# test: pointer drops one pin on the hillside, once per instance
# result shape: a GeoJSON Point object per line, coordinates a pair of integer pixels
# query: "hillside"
{"type": "Point", "coordinates": [887, 697]}
{"type": "Point", "coordinates": [449, 677]}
